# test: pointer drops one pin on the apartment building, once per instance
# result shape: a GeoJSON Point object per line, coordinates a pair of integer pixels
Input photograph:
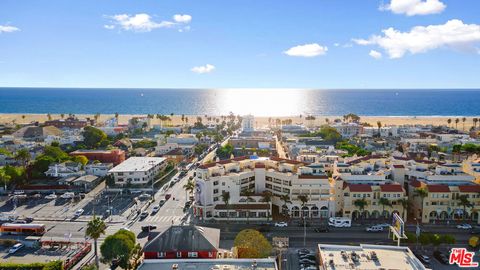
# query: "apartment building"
{"type": "Point", "coordinates": [442, 202]}
{"type": "Point", "coordinates": [284, 179]}
{"type": "Point", "coordinates": [137, 170]}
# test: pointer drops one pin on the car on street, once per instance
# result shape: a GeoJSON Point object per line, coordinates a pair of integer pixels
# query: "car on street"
{"type": "Point", "coordinates": [281, 224]}
{"type": "Point", "coordinates": [161, 202]}
{"type": "Point", "coordinates": [383, 225]}
{"type": "Point", "coordinates": [155, 209]}
{"type": "Point", "coordinates": [311, 267]}
{"type": "Point", "coordinates": [308, 257]}
{"type": "Point", "coordinates": [440, 256]}
{"type": "Point", "coordinates": [143, 215]}
{"type": "Point", "coordinates": [148, 228]}
{"type": "Point", "coordinates": [464, 226]}
{"type": "Point", "coordinates": [475, 231]}
{"type": "Point", "coordinates": [168, 196]}
{"type": "Point", "coordinates": [15, 248]}
{"type": "Point", "coordinates": [374, 229]}
{"type": "Point", "coordinates": [51, 197]}
{"type": "Point", "coordinates": [321, 229]}
{"type": "Point", "coordinates": [144, 196]}
{"type": "Point", "coordinates": [79, 212]}
{"type": "Point", "coordinates": [29, 219]}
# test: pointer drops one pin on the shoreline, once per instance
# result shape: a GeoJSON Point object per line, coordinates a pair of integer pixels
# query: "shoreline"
{"type": "Point", "coordinates": [260, 121]}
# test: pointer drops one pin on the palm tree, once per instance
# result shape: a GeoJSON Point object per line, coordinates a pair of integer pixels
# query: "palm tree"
{"type": "Point", "coordinates": [286, 200]}
{"type": "Point", "coordinates": [189, 187]}
{"type": "Point", "coordinates": [379, 125]}
{"type": "Point", "coordinates": [95, 228]}
{"type": "Point", "coordinates": [384, 202]}
{"type": "Point", "coordinates": [116, 116]}
{"type": "Point", "coordinates": [405, 203]}
{"type": "Point", "coordinates": [360, 204]}
{"type": "Point", "coordinates": [226, 201]}
{"type": "Point", "coordinates": [248, 193]}
{"type": "Point", "coordinates": [456, 123]}
{"type": "Point", "coordinates": [464, 202]}
{"type": "Point", "coordinates": [24, 156]}
{"type": "Point", "coordinates": [49, 117]}
{"type": "Point", "coordinates": [449, 121]}
{"type": "Point", "coordinates": [62, 115]}
{"type": "Point", "coordinates": [303, 199]}
{"type": "Point", "coordinates": [475, 120]}
{"type": "Point", "coordinates": [5, 178]}
{"type": "Point", "coordinates": [463, 121]}
{"type": "Point", "coordinates": [267, 197]}
{"type": "Point", "coordinates": [422, 193]}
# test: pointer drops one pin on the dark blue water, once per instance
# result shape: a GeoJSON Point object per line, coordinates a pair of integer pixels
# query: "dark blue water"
{"type": "Point", "coordinates": [259, 102]}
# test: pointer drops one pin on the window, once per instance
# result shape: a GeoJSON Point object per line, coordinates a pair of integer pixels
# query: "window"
{"type": "Point", "coordinates": [192, 254]}
{"type": "Point", "coordinates": [215, 199]}
{"type": "Point", "coordinates": [215, 183]}
{"type": "Point", "coordinates": [215, 191]}
{"type": "Point", "coordinates": [179, 254]}
{"type": "Point", "coordinates": [162, 254]}
{"type": "Point", "coordinates": [223, 183]}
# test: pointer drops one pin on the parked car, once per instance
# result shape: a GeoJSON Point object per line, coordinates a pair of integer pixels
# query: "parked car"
{"type": "Point", "coordinates": [29, 219]}
{"type": "Point", "coordinates": [383, 225]}
{"type": "Point", "coordinates": [374, 229]}
{"type": "Point", "coordinates": [464, 226]}
{"type": "Point", "coordinates": [168, 196]}
{"type": "Point", "coordinates": [143, 215]}
{"type": "Point", "coordinates": [441, 257]}
{"type": "Point", "coordinates": [79, 212]}
{"type": "Point", "coordinates": [144, 196]}
{"type": "Point", "coordinates": [161, 202]}
{"type": "Point", "coordinates": [475, 231]}
{"type": "Point", "coordinates": [15, 248]}
{"type": "Point", "coordinates": [308, 256]}
{"type": "Point", "coordinates": [155, 209]}
{"type": "Point", "coordinates": [423, 258]}
{"type": "Point", "coordinates": [67, 195]}
{"type": "Point", "coordinates": [281, 224]}
{"type": "Point", "coordinates": [148, 228]}
{"type": "Point", "coordinates": [51, 197]}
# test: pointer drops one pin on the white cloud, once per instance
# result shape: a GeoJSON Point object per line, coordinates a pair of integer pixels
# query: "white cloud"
{"type": "Point", "coordinates": [203, 69]}
{"type": "Point", "coordinates": [179, 18]}
{"type": "Point", "coordinates": [414, 7]}
{"type": "Point", "coordinates": [8, 29]}
{"type": "Point", "coordinates": [307, 50]}
{"type": "Point", "coordinates": [375, 54]}
{"type": "Point", "coordinates": [336, 44]}
{"type": "Point", "coordinates": [142, 22]}
{"type": "Point", "coordinates": [453, 34]}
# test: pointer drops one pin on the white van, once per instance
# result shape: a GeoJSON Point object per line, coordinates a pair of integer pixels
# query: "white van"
{"type": "Point", "coordinates": [340, 222]}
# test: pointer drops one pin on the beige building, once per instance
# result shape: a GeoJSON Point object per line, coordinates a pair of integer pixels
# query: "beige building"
{"type": "Point", "coordinates": [442, 203]}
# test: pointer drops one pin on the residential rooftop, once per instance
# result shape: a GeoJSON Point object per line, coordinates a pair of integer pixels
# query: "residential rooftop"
{"type": "Point", "coordinates": [209, 264]}
{"type": "Point", "coordinates": [137, 164]}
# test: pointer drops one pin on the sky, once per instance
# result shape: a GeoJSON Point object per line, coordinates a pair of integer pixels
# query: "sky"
{"type": "Point", "coordinates": [324, 44]}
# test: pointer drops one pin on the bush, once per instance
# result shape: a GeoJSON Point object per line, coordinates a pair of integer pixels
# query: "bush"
{"type": "Point", "coordinates": [7, 242]}
{"type": "Point", "coordinates": [53, 265]}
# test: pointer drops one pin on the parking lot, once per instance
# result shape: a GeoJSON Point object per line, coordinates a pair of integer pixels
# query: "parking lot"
{"type": "Point", "coordinates": [31, 255]}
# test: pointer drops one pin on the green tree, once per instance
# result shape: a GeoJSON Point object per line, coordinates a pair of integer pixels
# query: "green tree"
{"type": "Point", "coordinates": [226, 201]}
{"type": "Point", "coordinates": [456, 123]}
{"type": "Point", "coordinates": [360, 204]}
{"type": "Point", "coordinates": [463, 122]}
{"type": "Point", "coordinates": [424, 239]}
{"type": "Point", "coordinates": [422, 193]}
{"type": "Point", "coordinates": [225, 152]}
{"type": "Point", "coordinates": [5, 152]}
{"type": "Point", "coordinates": [118, 246]}
{"type": "Point", "coordinates": [80, 159]}
{"type": "Point", "coordinates": [248, 194]}
{"type": "Point", "coordinates": [464, 202]}
{"type": "Point", "coordinates": [267, 197]}
{"type": "Point", "coordinates": [93, 137]}
{"type": "Point", "coordinates": [24, 156]}
{"type": "Point", "coordinates": [252, 244]}
{"type": "Point", "coordinates": [384, 202]}
{"type": "Point", "coordinates": [405, 203]}
{"type": "Point", "coordinates": [189, 187]}
{"type": "Point", "coordinates": [5, 178]}
{"type": "Point", "coordinates": [449, 121]}
{"type": "Point", "coordinates": [95, 228]}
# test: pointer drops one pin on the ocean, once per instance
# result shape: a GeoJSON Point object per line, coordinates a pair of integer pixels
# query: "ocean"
{"type": "Point", "coordinates": [259, 102]}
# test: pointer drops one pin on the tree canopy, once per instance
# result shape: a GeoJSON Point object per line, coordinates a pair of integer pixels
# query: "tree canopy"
{"type": "Point", "coordinates": [252, 244]}
{"type": "Point", "coordinates": [93, 137]}
{"type": "Point", "coordinates": [118, 246]}
{"type": "Point", "coordinates": [327, 133]}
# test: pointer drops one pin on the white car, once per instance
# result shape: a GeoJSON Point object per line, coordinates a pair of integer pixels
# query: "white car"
{"type": "Point", "coordinates": [79, 212]}
{"type": "Point", "coordinates": [51, 197]}
{"type": "Point", "coordinates": [155, 209]}
{"type": "Point", "coordinates": [281, 224]}
{"type": "Point", "coordinates": [15, 248]}
{"type": "Point", "coordinates": [67, 195]}
{"type": "Point", "coordinates": [383, 225]}
{"type": "Point", "coordinates": [464, 226]}
{"type": "Point", "coordinates": [374, 229]}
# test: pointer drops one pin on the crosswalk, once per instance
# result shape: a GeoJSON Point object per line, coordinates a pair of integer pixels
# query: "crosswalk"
{"type": "Point", "coordinates": [163, 219]}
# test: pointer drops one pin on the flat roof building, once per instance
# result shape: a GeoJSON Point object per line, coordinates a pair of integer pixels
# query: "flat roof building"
{"type": "Point", "coordinates": [137, 170]}
{"type": "Point", "coordinates": [365, 257]}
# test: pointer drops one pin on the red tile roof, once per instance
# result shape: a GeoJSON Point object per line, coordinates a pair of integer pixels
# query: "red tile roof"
{"type": "Point", "coordinates": [391, 188]}
{"type": "Point", "coordinates": [208, 165]}
{"type": "Point", "coordinates": [358, 160]}
{"type": "Point", "coordinates": [469, 188]}
{"type": "Point", "coordinates": [415, 183]}
{"type": "Point", "coordinates": [438, 188]}
{"type": "Point", "coordinates": [259, 165]}
{"type": "Point", "coordinates": [286, 160]}
{"type": "Point", "coordinates": [359, 188]}
{"type": "Point", "coordinates": [251, 206]}
{"type": "Point", "coordinates": [398, 166]}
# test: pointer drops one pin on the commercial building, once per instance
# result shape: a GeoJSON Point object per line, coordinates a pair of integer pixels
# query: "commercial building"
{"type": "Point", "coordinates": [137, 170]}
{"type": "Point", "coordinates": [247, 179]}
{"type": "Point", "coordinates": [115, 156]}
{"type": "Point", "coordinates": [70, 122]}
{"type": "Point", "coordinates": [183, 242]}
{"type": "Point", "coordinates": [366, 257]}
{"type": "Point", "coordinates": [209, 264]}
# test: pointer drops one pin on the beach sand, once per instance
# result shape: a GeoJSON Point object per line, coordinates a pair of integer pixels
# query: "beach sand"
{"type": "Point", "coordinates": [259, 121]}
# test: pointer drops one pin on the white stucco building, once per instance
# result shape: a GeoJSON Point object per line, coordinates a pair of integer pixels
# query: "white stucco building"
{"type": "Point", "coordinates": [137, 170]}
